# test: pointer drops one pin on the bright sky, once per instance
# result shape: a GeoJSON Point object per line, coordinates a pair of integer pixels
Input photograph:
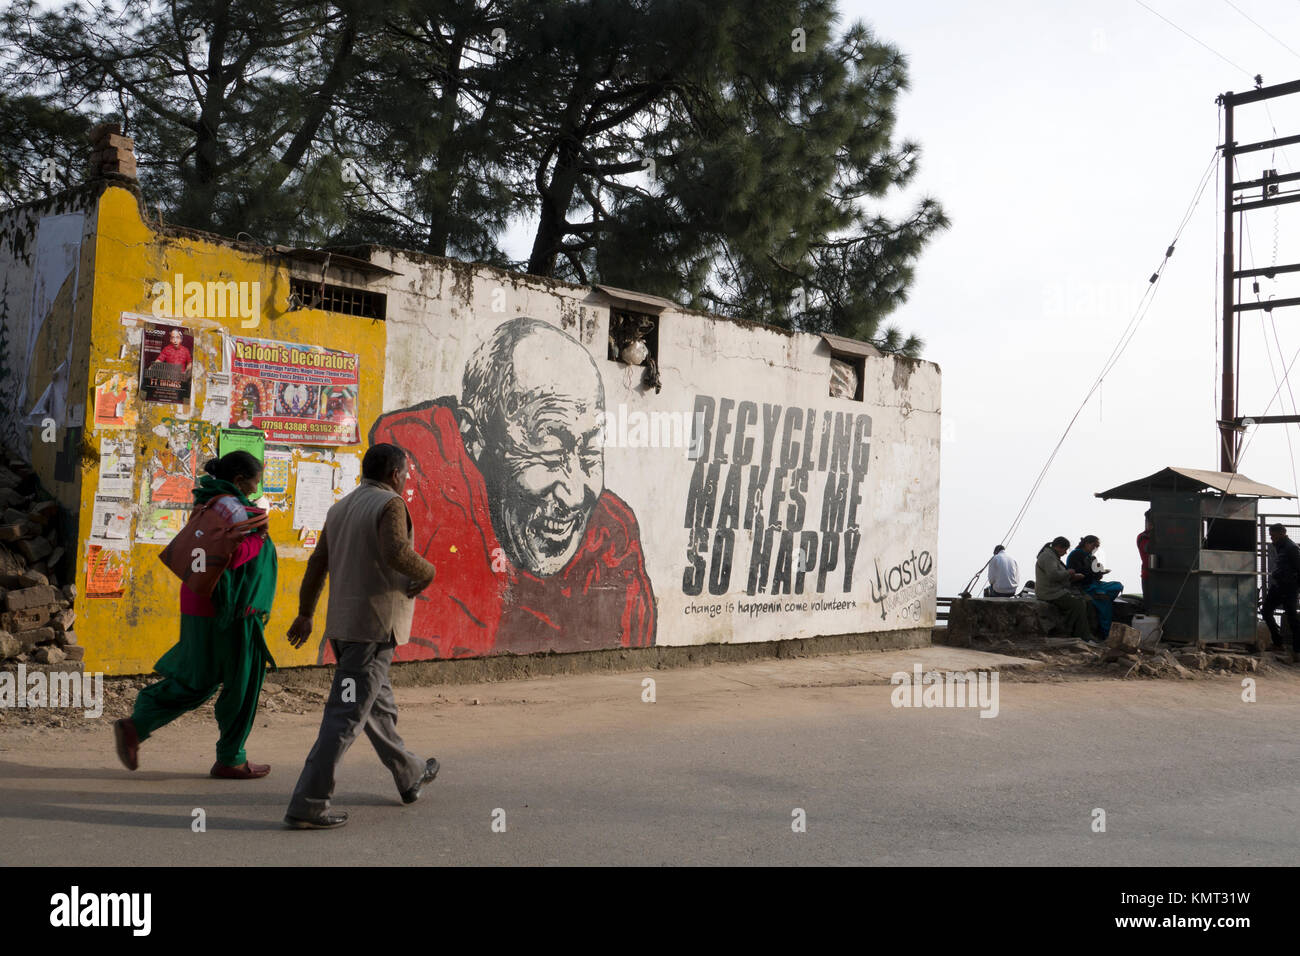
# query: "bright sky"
{"type": "Point", "coordinates": [1066, 142]}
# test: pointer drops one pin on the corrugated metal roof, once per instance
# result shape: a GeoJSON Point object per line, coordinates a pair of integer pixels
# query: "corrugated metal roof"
{"type": "Point", "coordinates": [1192, 480]}
{"type": "Point", "coordinates": [655, 302]}
{"type": "Point", "coordinates": [839, 343]}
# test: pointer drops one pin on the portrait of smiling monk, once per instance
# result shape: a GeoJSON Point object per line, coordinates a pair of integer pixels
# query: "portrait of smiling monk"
{"type": "Point", "coordinates": [507, 494]}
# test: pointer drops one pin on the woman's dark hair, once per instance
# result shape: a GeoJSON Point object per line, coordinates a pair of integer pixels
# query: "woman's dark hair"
{"type": "Point", "coordinates": [382, 460]}
{"type": "Point", "coordinates": [1089, 539]}
{"type": "Point", "coordinates": [235, 464]}
{"type": "Point", "coordinates": [1060, 541]}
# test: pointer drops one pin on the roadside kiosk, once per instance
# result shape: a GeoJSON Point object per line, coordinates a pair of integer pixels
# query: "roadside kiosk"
{"type": "Point", "coordinates": [1201, 565]}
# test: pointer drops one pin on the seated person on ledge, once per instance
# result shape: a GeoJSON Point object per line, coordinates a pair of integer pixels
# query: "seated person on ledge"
{"type": "Point", "coordinates": [1052, 581]}
{"type": "Point", "coordinates": [1004, 575]}
{"type": "Point", "coordinates": [1102, 593]}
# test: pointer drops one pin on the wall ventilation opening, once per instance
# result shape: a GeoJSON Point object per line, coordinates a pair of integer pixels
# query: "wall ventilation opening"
{"type": "Point", "coordinates": [634, 340]}
{"type": "Point", "coordinates": [848, 374]}
{"type": "Point", "coordinates": [306, 294]}
{"type": "Point", "coordinates": [848, 366]}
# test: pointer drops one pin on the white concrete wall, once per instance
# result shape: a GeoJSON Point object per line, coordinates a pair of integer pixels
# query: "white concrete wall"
{"type": "Point", "coordinates": [440, 312]}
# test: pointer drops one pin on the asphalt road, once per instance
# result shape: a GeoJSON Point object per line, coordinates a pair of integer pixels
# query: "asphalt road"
{"type": "Point", "coordinates": [582, 771]}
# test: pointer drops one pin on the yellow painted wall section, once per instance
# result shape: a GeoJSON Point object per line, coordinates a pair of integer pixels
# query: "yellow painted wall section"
{"type": "Point", "coordinates": [127, 635]}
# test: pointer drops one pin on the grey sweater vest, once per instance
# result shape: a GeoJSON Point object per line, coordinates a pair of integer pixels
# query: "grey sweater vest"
{"type": "Point", "coordinates": [367, 599]}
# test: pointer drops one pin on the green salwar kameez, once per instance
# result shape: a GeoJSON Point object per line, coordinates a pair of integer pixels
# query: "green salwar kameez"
{"type": "Point", "coordinates": [227, 651]}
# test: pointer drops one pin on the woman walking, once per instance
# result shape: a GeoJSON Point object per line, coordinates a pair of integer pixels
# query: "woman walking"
{"type": "Point", "coordinates": [221, 643]}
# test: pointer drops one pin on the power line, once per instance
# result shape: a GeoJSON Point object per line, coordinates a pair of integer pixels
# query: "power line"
{"type": "Point", "coordinates": [1261, 26]}
{"type": "Point", "coordinates": [1126, 337]}
{"type": "Point", "coordinates": [1190, 37]}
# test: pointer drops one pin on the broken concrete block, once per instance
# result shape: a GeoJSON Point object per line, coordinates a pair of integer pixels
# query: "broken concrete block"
{"type": "Point", "coordinates": [31, 579]}
{"type": "Point", "coordinates": [74, 653]}
{"type": "Point", "coordinates": [11, 532]}
{"type": "Point", "coordinates": [63, 620]}
{"type": "Point", "coordinates": [28, 597]}
{"type": "Point", "coordinates": [13, 516]}
{"type": "Point", "coordinates": [10, 646]}
{"type": "Point", "coordinates": [1123, 636]}
{"type": "Point", "coordinates": [55, 557]}
{"type": "Point", "coordinates": [43, 512]}
{"type": "Point", "coordinates": [27, 619]}
{"type": "Point", "coordinates": [34, 549]}
{"type": "Point", "coordinates": [70, 592]}
{"type": "Point", "coordinates": [66, 639]}
{"type": "Point", "coordinates": [48, 655]}
{"type": "Point", "coordinates": [38, 635]}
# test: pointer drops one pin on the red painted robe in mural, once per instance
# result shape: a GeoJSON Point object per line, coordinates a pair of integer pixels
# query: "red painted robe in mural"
{"type": "Point", "coordinates": [601, 599]}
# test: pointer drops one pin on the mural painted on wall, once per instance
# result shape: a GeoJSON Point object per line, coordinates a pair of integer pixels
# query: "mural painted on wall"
{"type": "Point", "coordinates": [775, 507]}
{"type": "Point", "coordinates": [507, 495]}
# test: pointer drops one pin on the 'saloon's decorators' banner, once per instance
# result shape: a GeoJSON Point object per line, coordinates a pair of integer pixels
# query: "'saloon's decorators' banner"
{"type": "Point", "coordinates": [299, 394]}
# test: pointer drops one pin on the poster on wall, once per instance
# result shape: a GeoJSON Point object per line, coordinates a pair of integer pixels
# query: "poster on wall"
{"type": "Point", "coordinates": [275, 471]}
{"type": "Point", "coordinates": [243, 439]}
{"type": "Point", "coordinates": [116, 467]}
{"type": "Point", "coordinates": [115, 401]}
{"type": "Point", "coordinates": [107, 566]}
{"type": "Point", "coordinates": [313, 495]}
{"type": "Point", "coordinates": [166, 364]}
{"type": "Point", "coordinates": [296, 394]}
{"type": "Point", "coordinates": [167, 494]}
{"type": "Point", "coordinates": [111, 519]}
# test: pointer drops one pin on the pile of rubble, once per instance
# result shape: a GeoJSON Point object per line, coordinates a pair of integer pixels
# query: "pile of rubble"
{"type": "Point", "coordinates": [1126, 654]}
{"type": "Point", "coordinates": [37, 614]}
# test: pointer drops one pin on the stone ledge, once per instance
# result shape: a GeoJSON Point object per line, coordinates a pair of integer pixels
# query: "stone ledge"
{"type": "Point", "coordinates": [993, 618]}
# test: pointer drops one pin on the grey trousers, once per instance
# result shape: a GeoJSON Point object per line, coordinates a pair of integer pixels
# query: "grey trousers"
{"type": "Point", "coordinates": [367, 702]}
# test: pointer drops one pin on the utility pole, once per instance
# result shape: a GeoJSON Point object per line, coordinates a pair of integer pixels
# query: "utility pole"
{"type": "Point", "coordinates": [1228, 430]}
{"type": "Point", "coordinates": [1269, 184]}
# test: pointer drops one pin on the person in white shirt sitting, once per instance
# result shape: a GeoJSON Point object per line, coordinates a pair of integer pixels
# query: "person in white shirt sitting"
{"type": "Point", "coordinates": [1004, 574]}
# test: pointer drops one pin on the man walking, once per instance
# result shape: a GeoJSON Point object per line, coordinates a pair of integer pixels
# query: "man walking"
{"type": "Point", "coordinates": [365, 548]}
{"type": "Point", "coordinates": [1283, 588]}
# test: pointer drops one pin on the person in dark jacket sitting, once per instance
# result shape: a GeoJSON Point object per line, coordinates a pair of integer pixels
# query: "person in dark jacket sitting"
{"type": "Point", "coordinates": [1052, 583]}
{"type": "Point", "coordinates": [1283, 587]}
{"type": "Point", "coordinates": [1082, 560]}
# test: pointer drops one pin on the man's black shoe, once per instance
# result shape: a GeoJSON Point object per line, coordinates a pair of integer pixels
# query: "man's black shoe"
{"type": "Point", "coordinates": [326, 821]}
{"type": "Point", "coordinates": [412, 794]}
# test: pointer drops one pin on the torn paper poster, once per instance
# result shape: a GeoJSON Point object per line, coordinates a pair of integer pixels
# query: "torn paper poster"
{"type": "Point", "coordinates": [116, 467]}
{"type": "Point", "coordinates": [106, 571]}
{"type": "Point", "coordinates": [115, 400]}
{"type": "Point", "coordinates": [348, 473]}
{"type": "Point", "coordinates": [167, 493]}
{"type": "Point", "coordinates": [111, 518]}
{"type": "Point", "coordinates": [216, 400]}
{"type": "Point", "coordinates": [313, 495]}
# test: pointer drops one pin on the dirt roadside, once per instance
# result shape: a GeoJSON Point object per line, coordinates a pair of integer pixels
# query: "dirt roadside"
{"type": "Point", "coordinates": [302, 691]}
